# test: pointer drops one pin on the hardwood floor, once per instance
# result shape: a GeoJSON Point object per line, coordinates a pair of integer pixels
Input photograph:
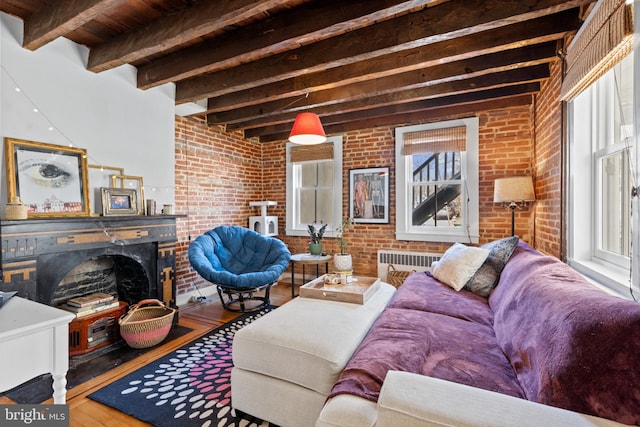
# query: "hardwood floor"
{"type": "Point", "coordinates": [200, 317]}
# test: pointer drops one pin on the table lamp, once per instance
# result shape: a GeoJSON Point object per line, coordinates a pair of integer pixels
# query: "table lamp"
{"type": "Point", "coordinates": [512, 190]}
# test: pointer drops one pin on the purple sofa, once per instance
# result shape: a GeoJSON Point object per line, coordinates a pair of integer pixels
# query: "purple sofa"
{"type": "Point", "coordinates": [544, 335]}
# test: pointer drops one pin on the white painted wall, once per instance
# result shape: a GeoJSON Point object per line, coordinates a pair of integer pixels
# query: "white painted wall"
{"type": "Point", "coordinates": [105, 113]}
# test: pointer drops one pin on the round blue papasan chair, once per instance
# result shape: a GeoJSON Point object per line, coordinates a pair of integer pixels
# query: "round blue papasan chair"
{"type": "Point", "coordinates": [239, 262]}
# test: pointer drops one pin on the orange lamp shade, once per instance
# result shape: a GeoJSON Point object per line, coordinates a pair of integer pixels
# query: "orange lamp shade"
{"type": "Point", "coordinates": [307, 130]}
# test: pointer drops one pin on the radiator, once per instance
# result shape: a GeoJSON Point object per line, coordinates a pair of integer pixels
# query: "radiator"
{"type": "Point", "coordinates": [406, 261]}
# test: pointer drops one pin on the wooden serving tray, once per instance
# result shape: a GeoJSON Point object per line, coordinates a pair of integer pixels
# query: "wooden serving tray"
{"type": "Point", "coordinates": [357, 292]}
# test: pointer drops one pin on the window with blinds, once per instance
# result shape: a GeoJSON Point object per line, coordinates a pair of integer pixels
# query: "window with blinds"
{"type": "Point", "coordinates": [602, 166]}
{"type": "Point", "coordinates": [433, 181]}
{"type": "Point", "coordinates": [314, 185]}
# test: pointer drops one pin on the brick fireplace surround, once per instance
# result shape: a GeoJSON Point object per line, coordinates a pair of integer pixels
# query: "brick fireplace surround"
{"type": "Point", "coordinates": [37, 254]}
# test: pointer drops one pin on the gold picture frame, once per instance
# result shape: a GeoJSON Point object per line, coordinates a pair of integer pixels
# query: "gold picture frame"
{"type": "Point", "coordinates": [51, 180]}
{"type": "Point", "coordinates": [100, 176]}
{"type": "Point", "coordinates": [130, 182]}
{"type": "Point", "coordinates": [119, 201]}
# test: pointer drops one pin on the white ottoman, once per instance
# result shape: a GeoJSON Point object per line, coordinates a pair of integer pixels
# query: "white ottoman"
{"type": "Point", "coordinates": [286, 362]}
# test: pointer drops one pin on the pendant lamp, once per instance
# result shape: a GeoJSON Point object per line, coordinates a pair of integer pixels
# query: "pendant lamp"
{"type": "Point", "coordinates": [307, 130]}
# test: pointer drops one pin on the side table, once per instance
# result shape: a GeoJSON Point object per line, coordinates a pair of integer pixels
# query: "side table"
{"type": "Point", "coordinates": [304, 259]}
{"type": "Point", "coordinates": [34, 340]}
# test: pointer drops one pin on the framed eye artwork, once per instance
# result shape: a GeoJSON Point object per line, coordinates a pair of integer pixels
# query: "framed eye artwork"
{"type": "Point", "coordinates": [51, 180]}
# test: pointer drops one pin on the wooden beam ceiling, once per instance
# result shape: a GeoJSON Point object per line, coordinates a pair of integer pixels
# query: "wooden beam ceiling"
{"type": "Point", "coordinates": [358, 64]}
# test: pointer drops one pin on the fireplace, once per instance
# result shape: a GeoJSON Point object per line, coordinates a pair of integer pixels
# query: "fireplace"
{"type": "Point", "coordinates": [53, 260]}
{"type": "Point", "coordinates": [127, 273]}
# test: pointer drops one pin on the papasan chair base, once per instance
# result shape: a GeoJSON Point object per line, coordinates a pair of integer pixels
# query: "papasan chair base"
{"type": "Point", "coordinates": [233, 299]}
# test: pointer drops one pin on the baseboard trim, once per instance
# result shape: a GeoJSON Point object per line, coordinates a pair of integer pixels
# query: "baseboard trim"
{"type": "Point", "coordinates": [185, 298]}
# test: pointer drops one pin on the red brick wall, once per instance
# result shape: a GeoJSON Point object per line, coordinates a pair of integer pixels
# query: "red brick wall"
{"type": "Point", "coordinates": [505, 150]}
{"type": "Point", "coordinates": [548, 166]}
{"type": "Point", "coordinates": [225, 172]}
{"type": "Point", "coordinates": [217, 174]}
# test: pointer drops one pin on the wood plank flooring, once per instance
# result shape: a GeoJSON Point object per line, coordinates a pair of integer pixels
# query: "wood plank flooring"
{"type": "Point", "coordinates": [200, 317]}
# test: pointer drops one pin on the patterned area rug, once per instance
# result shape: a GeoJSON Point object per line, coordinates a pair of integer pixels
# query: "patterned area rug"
{"type": "Point", "coordinates": [189, 387]}
{"type": "Point", "coordinates": [85, 367]}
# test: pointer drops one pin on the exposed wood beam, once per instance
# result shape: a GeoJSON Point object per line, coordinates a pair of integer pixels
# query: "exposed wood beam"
{"type": "Point", "coordinates": [504, 78]}
{"type": "Point", "coordinates": [410, 107]}
{"type": "Point", "coordinates": [202, 18]}
{"type": "Point", "coordinates": [60, 18]}
{"type": "Point", "coordinates": [527, 33]}
{"type": "Point", "coordinates": [458, 70]}
{"type": "Point", "coordinates": [423, 116]}
{"type": "Point", "coordinates": [447, 21]}
{"type": "Point", "coordinates": [285, 31]}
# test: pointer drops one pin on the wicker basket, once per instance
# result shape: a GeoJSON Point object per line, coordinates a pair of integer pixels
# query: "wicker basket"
{"type": "Point", "coordinates": [146, 323]}
{"type": "Point", "coordinates": [397, 277]}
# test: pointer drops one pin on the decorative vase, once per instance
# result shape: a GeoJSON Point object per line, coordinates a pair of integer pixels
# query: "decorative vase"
{"type": "Point", "coordinates": [315, 248]}
{"type": "Point", "coordinates": [342, 262]}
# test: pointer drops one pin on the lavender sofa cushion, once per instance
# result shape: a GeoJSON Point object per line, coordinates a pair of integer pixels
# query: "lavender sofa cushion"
{"type": "Point", "coordinates": [421, 291]}
{"type": "Point", "coordinates": [430, 344]}
{"type": "Point", "coordinates": [571, 345]}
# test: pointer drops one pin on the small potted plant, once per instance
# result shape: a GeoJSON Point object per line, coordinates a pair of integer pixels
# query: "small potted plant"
{"type": "Point", "coordinates": [315, 245]}
{"type": "Point", "coordinates": [342, 261]}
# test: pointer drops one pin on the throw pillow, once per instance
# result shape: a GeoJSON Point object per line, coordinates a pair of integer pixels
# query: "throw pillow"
{"type": "Point", "coordinates": [487, 276]}
{"type": "Point", "coordinates": [458, 264]}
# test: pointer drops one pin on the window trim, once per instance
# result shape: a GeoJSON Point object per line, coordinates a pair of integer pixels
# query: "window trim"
{"type": "Point", "coordinates": [469, 232]}
{"type": "Point", "coordinates": [584, 166]}
{"type": "Point", "coordinates": [290, 229]}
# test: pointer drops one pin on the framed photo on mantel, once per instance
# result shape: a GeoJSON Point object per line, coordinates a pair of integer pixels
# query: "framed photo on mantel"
{"type": "Point", "coordinates": [132, 182]}
{"type": "Point", "coordinates": [100, 176]}
{"type": "Point", "coordinates": [51, 180]}
{"type": "Point", "coordinates": [119, 201]}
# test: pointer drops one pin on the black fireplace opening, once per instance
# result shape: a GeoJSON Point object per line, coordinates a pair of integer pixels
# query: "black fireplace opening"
{"type": "Point", "coordinates": [125, 272]}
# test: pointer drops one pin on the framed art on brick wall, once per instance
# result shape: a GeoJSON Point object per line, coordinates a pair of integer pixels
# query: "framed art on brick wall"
{"type": "Point", "coordinates": [369, 195]}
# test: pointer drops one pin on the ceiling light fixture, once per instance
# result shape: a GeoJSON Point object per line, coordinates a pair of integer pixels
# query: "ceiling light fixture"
{"type": "Point", "coordinates": [307, 130]}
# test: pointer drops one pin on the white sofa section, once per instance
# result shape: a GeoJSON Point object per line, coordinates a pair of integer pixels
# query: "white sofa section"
{"type": "Point", "coordinates": [412, 400]}
{"type": "Point", "coordinates": [286, 362]}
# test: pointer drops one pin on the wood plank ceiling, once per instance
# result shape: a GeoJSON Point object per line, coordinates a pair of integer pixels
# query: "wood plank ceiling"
{"type": "Point", "coordinates": [357, 63]}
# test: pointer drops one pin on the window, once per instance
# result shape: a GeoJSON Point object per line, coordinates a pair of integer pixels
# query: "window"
{"type": "Point", "coordinates": [601, 163]}
{"type": "Point", "coordinates": [437, 182]}
{"type": "Point", "coordinates": [314, 185]}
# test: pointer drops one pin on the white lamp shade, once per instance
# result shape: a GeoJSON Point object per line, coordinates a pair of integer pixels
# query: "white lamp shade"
{"type": "Point", "coordinates": [513, 189]}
